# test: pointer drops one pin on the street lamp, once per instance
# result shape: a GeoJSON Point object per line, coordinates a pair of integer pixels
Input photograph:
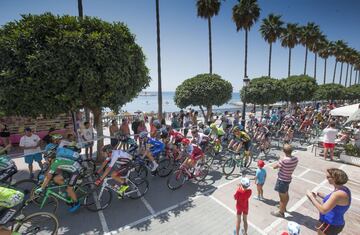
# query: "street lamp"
{"type": "Point", "coordinates": [246, 82]}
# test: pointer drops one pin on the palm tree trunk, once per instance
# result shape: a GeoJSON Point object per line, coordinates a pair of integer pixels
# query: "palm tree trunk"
{"type": "Point", "coordinates": [347, 73]}
{"type": "Point", "coordinates": [334, 71]}
{"type": "Point", "coordinates": [351, 69]}
{"type": "Point", "coordinates": [289, 62]}
{"type": "Point", "coordinates": [306, 53]}
{"type": "Point", "coordinates": [325, 62]}
{"type": "Point", "coordinates": [158, 60]}
{"type": "Point", "coordinates": [80, 9]}
{"type": "Point", "coordinates": [341, 68]}
{"type": "Point", "coordinates": [246, 47]}
{"type": "Point", "coordinates": [210, 50]}
{"type": "Point", "coordinates": [315, 64]}
{"type": "Point", "coordinates": [269, 74]}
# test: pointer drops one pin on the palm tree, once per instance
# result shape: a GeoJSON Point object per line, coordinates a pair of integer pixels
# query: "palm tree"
{"type": "Point", "coordinates": [270, 30]}
{"type": "Point", "coordinates": [316, 46]}
{"type": "Point", "coordinates": [324, 53]}
{"type": "Point", "coordinates": [308, 36]}
{"type": "Point", "coordinates": [342, 59]}
{"type": "Point", "coordinates": [245, 14]}
{"type": "Point", "coordinates": [158, 59]}
{"type": "Point", "coordinates": [80, 9]}
{"type": "Point", "coordinates": [336, 51]}
{"type": "Point", "coordinates": [349, 53]}
{"type": "Point", "coordinates": [207, 9]}
{"type": "Point", "coordinates": [352, 60]}
{"type": "Point", "coordinates": [289, 39]}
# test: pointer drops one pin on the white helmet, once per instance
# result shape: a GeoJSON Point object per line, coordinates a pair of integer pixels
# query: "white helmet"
{"type": "Point", "coordinates": [245, 182]}
{"type": "Point", "coordinates": [293, 228]}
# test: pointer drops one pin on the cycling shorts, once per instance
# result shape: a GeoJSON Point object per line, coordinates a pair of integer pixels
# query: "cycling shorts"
{"type": "Point", "coordinates": [122, 171]}
{"type": "Point", "coordinates": [5, 174]}
{"type": "Point", "coordinates": [247, 145]}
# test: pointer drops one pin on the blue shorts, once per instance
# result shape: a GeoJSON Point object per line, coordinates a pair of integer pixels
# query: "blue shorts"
{"type": "Point", "coordinates": [282, 186]}
{"type": "Point", "coordinates": [33, 157]}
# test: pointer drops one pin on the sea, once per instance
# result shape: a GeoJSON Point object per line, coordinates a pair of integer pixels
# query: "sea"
{"type": "Point", "coordinates": [148, 102]}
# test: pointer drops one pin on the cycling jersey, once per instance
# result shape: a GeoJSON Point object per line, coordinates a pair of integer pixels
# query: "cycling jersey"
{"type": "Point", "coordinates": [177, 136]}
{"type": "Point", "coordinates": [10, 197]}
{"type": "Point", "coordinates": [156, 147]}
{"type": "Point", "coordinates": [196, 153]}
{"type": "Point", "coordinates": [201, 138]}
{"type": "Point", "coordinates": [243, 136]}
{"type": "Point", "coordinates": [67, 154]}
{"type": "Point", "coordinates": [120, 157]}
{"type": "Point", "coordinates": [217, 132]}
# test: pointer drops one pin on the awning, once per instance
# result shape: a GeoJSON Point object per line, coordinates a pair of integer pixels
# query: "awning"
{"type": "Point", "coordinates": [345, 111]}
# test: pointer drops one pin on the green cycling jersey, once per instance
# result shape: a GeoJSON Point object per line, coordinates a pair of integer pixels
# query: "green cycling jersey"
{"type": "Point", "coordinates": [65, 165]}
{"type": "Point", "coordinates": [10, 197]}
{"type": "Point", "coordinates": [217, 131]}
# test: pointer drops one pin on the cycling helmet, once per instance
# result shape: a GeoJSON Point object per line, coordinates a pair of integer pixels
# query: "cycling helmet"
{"type": "Point", "coordinates": [245, 182]}
{"type": "Point", "coordinates": [185, 141]}
{"type": "Point", "coordinates": [163, 133]}
{"type": "Point", "coordinates": [107, 148]}
{"type": "Point", "coordinates": [207, 131]}
{"type": "Point", "coordinates": [157, 124]}
{"type": "Point", "coordinates": [241, 127]}
{"type": "Point", "coordinates": [293, 228]}
{"type": "Point", "coordinates": [213, 125]}
{"type": "Point", "coordinates": [143, 134]}
{"type": "Point", "coordinates": [201, 125]}
{"type": "Point", "coordinates": [56, 136]}
{"type": "Point", "coordinates": [236, 128]}
{"type": "Point", "coordinates": [261, 163]}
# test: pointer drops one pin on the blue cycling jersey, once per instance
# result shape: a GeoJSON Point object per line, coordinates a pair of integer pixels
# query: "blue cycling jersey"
{"type": "Point", "coordinates": [156, 145]}
{"type": "Point", "coordinates": [67, 153]}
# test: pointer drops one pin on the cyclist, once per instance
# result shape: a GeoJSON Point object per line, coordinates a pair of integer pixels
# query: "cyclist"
{"type": "Point", "coordinates": [305, 125]}
{"type": "Point", "coordinates": [217, 134]}
{"type": "Point", "coordinates": [151, 148]}
{"type": "Point", "coordinates": [9, 198]}
{"type": "Point", "coordinates": [194, 154]}
{"type": "Point", "coordinates": [124, 161]}
{"type": "Point", "coordinates": [199, 138]}
{"type": "Point", "coordinates": [262, 134]}
{"type": "Point", "coordinates": [241, 138]}
{"type": "Point", "coordinates": [66, 160]}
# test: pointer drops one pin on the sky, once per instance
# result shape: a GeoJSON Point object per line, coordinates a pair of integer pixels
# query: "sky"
{"type": "Point", "coordinates": [184, 36]}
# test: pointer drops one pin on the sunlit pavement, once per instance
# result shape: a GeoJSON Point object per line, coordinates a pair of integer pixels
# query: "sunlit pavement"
{"type": "Point", "coordinates": [209, 208]}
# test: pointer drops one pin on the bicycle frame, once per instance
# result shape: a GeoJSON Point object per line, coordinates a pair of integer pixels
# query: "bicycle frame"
{"type": "Point", "coordinates": [106, 184]}
{"type": "Point", "coordinates": [51, 192]}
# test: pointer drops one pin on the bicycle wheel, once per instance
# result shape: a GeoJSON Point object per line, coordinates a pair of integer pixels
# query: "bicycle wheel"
{"type": "Point", "coordinates": [137, 188]}
{"type": "Point", "coordinates": [89, 168]}
{"type": "Point", "coordinates": [229, 166]}
{"type": "Point", "coordinates": [246, 161]}
{"type": "Point", "coordinates": [25, 186]}
{"type": "Point", "coordinates": [38, 223]}
{"type": "Point", "coordinates": [165, 167]}
{"type": "Point", "coordinates": [176, 180]}
{"type": "Point", "coordinates": [203, 172]}
{"type": "Point", "coordinates": [99, 198]}
{"type": "Point", "coordinates": [139, 171]}
{"type": "Point", "coordinates": [33, 205]}
{"type": "Point", "coordinates": [209, 156]}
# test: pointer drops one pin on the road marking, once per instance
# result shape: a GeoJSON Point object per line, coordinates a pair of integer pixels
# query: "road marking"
{"type": "Point", "coordinates": [148, 206]}
{"type": "Point", "coordinates": [296, 206]}
{"type": "Point", "coordinates": [103, 222]}
{"type": "Point", "coordinates": [303, 173]}
{"type": "Point", "coordinates": [262, 232]}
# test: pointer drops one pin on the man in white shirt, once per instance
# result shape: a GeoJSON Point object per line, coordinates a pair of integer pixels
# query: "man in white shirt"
{"type": "Point", "coordinates": [329, 139]}
{"type": "Point", "coordinates": [30, 143]}
{"type": "Point", "coordinates": [87, 135]}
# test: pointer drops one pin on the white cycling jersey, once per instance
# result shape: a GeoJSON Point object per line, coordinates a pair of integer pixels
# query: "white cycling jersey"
{"type": "Point", "coordinates": [118, 155]}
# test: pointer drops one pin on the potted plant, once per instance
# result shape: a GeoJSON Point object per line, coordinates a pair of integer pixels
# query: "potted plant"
{"type": "Point", "coordinates": [351, 155]}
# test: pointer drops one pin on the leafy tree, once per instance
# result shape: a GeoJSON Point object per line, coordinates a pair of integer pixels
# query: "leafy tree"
{"type": "Point", "coordinates": [330, 92]}
{"type": "Point", "coordinates": [54, 64]}
{"type": "Point", "coordinates": [289, 39]}
{"type": "Point", "coordinates": [300, 88]}
{"type": "Point", "coordinates": [207, 9]}
{"type": "Point", "coordinates": [262, 91]}
{"type": "Point", "coordinates": [270, 30]}
{"type": "Point", "coordinates": [353, 92]}
{"type": "Point", "coordinates": [245, 15]}
{"type": "Point", "coordinates": [203, 90]}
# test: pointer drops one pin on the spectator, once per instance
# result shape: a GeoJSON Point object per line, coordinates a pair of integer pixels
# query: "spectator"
{"type": "Point", "coordinates": [125, 134]}
{"type": "Point", "coordinates": [260, 178]}
{"type": "Point", "coordinates": [334, 205]}
{"type": "Point", "coordinates": [4, 150]}
{"type": "Point", "coordinates": [286, 167]}
{"type": "Point", "coordinates": [69, 129]}
{"type": "Point", "coordinates": [47, 138]}
{"type": "Point", "coordinates": [114, 129]}
{"type": "Point", "coordinates": [187, 122]}
{"type": "Point", "coordinates": [237, 117]}
{"type": "Point", "coordinates": [30, 143]}
{"type": "Point", "coordinates": [181, 118]}
{"type": "Point", "coordinates": [87, 135]}
{"type": "Point", "coordinates": [134, 127]}
{"type": "Point", "coordinates": [5, 134]}
{"type": "Point", "coordinates": [175, 122]}
{"type": "Point", "coordinates": [242, 196]}
{"type": "Point", "coordinates": [293, 229]}
{"type": "Point", "coordinates": [194, 118]}
{"type": "Point", "coordinates": [329, 140]}
{"type": "Point", "coordinates": [357, 136]}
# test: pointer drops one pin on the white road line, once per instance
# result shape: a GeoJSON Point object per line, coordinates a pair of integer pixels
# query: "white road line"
{"type": "Point", "coordinates": [103, 222]}
{"type": "Point", "coordinates": [262, 232]}
{"type": "Point", "coordinates": [303, 173]}
{"type": "Point", "coordinates": [148, 206]}
{"type": "Point", "coordinates": [296, 206]}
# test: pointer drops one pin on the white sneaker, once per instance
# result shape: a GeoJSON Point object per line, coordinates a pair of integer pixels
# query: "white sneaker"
{"type": "Point", "coordinates": [155, 166]}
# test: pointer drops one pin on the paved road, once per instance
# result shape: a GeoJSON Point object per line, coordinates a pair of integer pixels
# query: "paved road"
{"type": "Point", "coordinates": [209, 208]}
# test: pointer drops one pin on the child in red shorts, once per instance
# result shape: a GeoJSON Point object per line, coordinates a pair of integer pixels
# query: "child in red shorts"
{"type": "Point", "coordinates": [242, 196]}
